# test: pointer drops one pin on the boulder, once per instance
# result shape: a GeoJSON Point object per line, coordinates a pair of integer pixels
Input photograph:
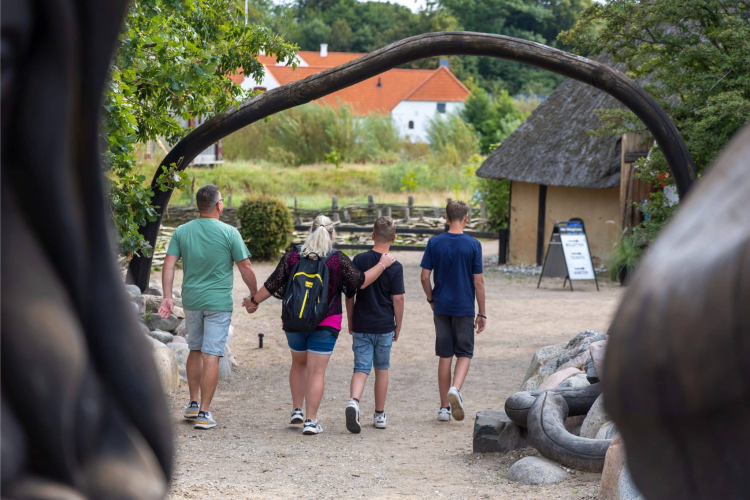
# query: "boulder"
{"type": "Point", "coordinates": [133, 291]}
{"type": "Point", "coordinates": [557, 378]}
{"type": "Point", "coordinates": [579, 380]}
{"type": "Point", "coordinates": [494, 432]}
{"type": "Point", "coordinates": [152, 303]}
{"type": "Point", "coordinates": [595, 419]}
{"type": "Point", "coordinates": [591, 375]}
{"type": "Point", "coordinates": [573, 424]}
{"type": "Point", "coordinates": [140, 303]}
{"type": "Point", "coordinates": [179, 340]}
{"type": "Point", "coordinates": [607, 431]}
{"type": "Point", "coordinates": [181, 352]}
{"type": "Point", "coordinates": [616, 481]}
{"type": "Point", "coordinates": [179, 312]}
{"type": "Point", "coordinates": [161, 336]}
{"type": "Point", "coordinates": [166, 365]}
{"type": "Point", "coordinates": [181, 329]}
{"type": "Point", "coordinates": [597, 350]}
{"type": "Point", "coordinates": [580, 361]}
{"type": "Point", "coordinates": [176, 293]}
{"type": "Point", "coordinates": [578, 345]}
{"type": "Point", "coordinates": [156, 322]}
{"type": "Point", "coordinates": [144, 328]}
{"type": "Point", "coordinates": [155, 343]}
{"type": "Point", "coordinates": [154, 289]}
{"type": "Point", "coordinates": [542, 365]}
{"type": "Point", "coordinates": [535, 470]}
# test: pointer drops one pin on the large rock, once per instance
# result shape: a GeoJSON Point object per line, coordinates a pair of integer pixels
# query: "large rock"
{"type": "Point", "coordinates": [178, 311]}
{"type": "Point", "coordinates": [133, 291]}
{"type": "Point", "coordinates": [573, 424]}
{"type": "Point", "coordinates": [535, 470]}
{"type": "Point", "coordinates": [178, 339]}
{"type": "Point", "coordinates": [591, 374]}
{"type": "Point", "coordinates": [579, 361]}
{"type": "Point", "coordinates": [181, 352]}
{"type": "Point", "coordinates": [607, 431]}
{"type": "Point", "coordinates": [154, 288]}
{"type": "Point", "coordinates": [595, 419]}
{"type": "Point", "coordinates": [558, 377]}
{"type": "Point", "coordinates": [152, 303]}
{"type": "Point", "coordinates": [167, 324]}
{"type": "Point", "coordinates": [166, 365]}
{"type": "Point", "coordinates": [579, 380]}
{"type": "Point", "coordinates": [494, 432]}
{"type": "Point", "coordinates": [161, 336]}
{"type": "Point", "coordinates": [144, 328]}
{"type": "Point", "coordinates": [579, 345]}
{"type": "Point", "coordinates": [543, 364]}
{"type": "Point", "coordinates": [181, 329]}
{"type": "Point", "coordinates": [616, 481]}
{"type": "Point", "coordinates": [140, 303]}
{"type": "Point", "coordinates": [597, 350]}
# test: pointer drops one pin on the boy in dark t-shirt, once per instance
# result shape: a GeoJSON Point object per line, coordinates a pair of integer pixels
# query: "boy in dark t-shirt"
{"type": "Point", "coordinates": [455, 261]}
{"type": "Point", "coordinates": [374, 323]}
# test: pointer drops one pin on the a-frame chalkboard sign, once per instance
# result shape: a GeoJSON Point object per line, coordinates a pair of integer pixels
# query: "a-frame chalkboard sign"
{"type": "Point", "coordinates": [568, 254]}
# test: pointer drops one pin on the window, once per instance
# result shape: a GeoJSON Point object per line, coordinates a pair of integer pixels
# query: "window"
{"type": "Point", "coordinates": [441, 107]}
{"type": "Point", "coordinates": [411, 124]}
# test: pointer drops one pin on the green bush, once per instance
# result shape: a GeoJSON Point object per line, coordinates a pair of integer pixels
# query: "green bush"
{"type": "Point", "coordinates": [266, 226]}
{"type": "Point", "coordinates": [626, 254]}
{"type": "Point", "coordinates": [496, 196]}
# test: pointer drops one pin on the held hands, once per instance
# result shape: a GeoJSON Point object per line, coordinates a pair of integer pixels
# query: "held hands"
{"type": "Point", "coordinates": [387, 259]}
{"type": "Point", "coordinates": [480, 323]}
{"type": "Point", "coordinates": [166, 307]}
{"type": "Point", "coordinates": [248, 305]}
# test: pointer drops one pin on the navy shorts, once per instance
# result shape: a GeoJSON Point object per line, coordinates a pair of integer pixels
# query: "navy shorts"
{"type": "Point", "coordinates": [454, 336]}
{"type": "Point", "coordinates": [371, 349]}
{"type": "Point", "coordinates": [318, 342]}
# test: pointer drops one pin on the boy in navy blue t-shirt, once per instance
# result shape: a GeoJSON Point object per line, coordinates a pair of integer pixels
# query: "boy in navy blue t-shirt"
{"type": "Point", "coordinates": [374, 323]}
{"type": "Point", "coordinates": [456, 260]}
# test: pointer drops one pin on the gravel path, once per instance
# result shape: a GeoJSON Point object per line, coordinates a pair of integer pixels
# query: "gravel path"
{"type": "Point", "coordinates": [254, 453]}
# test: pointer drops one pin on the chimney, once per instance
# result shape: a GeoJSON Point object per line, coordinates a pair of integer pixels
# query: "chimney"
{"type": "Point", "coordinates": [379, 83]}
{"type": "Point", "coordinates": [323, 50]}
{"type": "Point", "coordinates": [443, 63]}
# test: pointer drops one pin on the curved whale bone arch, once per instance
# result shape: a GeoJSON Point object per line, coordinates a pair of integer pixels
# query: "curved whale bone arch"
{"type": "Point", "coordinates": [321, 84]}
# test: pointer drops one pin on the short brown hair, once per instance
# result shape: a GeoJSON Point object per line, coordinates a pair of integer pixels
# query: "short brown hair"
{"type": "Point", "coordinates": [456, 210]}
{"type": "Point", "coordinates": [206, 198]}
{"type": "Point", "coordinates": [384, 230]}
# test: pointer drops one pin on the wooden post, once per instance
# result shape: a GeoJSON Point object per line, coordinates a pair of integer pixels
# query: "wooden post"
{"type": "Point", "coordinates": [347, 218]}
{"type": "Point", "coordinates": [336, 217]}
{"type": "Point", "coordinates": [631, 189]}
{"type": "Point", "coordinates": [370, 200]}
{"type": "Point", "coordinates": [229, 200]}
{"type": "Point", "coordinates": [421, 215]}
{"type": "Point", "coordinates": [482, 210]}
{"type": "Point", "coordinates": [406, 214]}
{"type": "Point", "coordinates": [437, 212]}
{"type": "Point", "coordinates": [192, 200]}
{"type": "Point", "coordinates": [380, 213]}
{"type": "Point", "coordinates": [388, 211]}
{"type": "Point", "coordinates": [334, 203]}
{"type": "Point", "coordinates": [411, 202]}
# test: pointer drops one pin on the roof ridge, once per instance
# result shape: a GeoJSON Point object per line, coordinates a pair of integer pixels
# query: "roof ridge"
{"type": "Point", "coordinates": [434, 73]}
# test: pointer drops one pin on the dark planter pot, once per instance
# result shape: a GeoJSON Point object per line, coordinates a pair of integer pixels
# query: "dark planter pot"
{"type": "Point", "coordinates": [623, 273]}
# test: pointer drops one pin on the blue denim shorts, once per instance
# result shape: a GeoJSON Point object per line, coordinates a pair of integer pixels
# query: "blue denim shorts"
{"type": "Point", "coordinates": [371, 349]}
{"type": "Point", "coordinates": [207, 331]}
{"type": "Point", "coordinates": [318, 342]}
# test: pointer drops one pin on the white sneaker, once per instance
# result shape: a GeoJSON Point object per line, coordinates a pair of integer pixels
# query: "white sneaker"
{"type": "Point", "coordinates": [352, 417]}
{"type": "Point", "coordinates": [312, 427]}
{"type": "Point", "coordinates": [444, 415]}
{"type": "Point", "coordinates": [457, 405]}
{"type": "Point", "coordinates": [205, 420]}
{"type": "Point", "coordinates": [297, 416]}
{"type": "Point", "coordinates": [379, 420]}
{"type": "Point", "coordinates": [192, 410]}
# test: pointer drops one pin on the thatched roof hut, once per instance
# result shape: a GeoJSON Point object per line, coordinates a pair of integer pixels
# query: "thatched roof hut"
{"type": "Point", "coordinates": [558, 170]}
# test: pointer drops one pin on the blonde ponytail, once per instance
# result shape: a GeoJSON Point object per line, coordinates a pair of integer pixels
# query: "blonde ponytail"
{"type": "Point", "coordinates": [320, 239]}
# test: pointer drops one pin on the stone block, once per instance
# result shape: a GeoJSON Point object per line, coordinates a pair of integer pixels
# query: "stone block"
{"type": "Point", "coordinates": [494, 432]}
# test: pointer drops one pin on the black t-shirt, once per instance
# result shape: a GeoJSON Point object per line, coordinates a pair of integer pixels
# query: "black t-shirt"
{"type": "Point", "coordinates": [373, 307]}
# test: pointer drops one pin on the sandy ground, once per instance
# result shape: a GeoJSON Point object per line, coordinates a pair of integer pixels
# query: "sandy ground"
{"type": "Point", "coordinates": [255, 453]}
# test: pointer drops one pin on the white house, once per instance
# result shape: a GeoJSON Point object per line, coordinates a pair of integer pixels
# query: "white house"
{"type": "Point", "coordinates": [412, 97]}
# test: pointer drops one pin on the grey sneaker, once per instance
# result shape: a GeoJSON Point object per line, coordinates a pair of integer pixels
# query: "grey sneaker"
{"type": "Point", "coordinates": [444, 415]}
{"type": "Point", "coordinates": [457, 404]}
{"type": "Point", "coordinates": [312, 427]}
{"type": "Point", "coordinates": [297, 416]}
{"type": "Point", "coordinates": [204, 420]}
{"type": "Point", "coordinates": [192, 409]}
{"type": "Point", "coordinates": [378, 420]}
{"type": "Point", "coordinates": [352, 417]}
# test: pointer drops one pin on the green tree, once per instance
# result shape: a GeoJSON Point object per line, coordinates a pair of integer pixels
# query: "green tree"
{"type": "Point", "coordinates": [697, 57]}
{"type": "Point", "coordinates": [172, 63]}
{"type": "Point", "coordinates": [493, 119]}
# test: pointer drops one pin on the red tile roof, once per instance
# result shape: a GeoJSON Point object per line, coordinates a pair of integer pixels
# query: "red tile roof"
{"type": "Point", "coordinates": [333, 59]}
{"type": "Point", "coordinates": [441, 86]}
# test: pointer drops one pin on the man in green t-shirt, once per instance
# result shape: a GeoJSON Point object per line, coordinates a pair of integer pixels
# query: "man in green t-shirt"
{"type": "Point", "coordinates": [209, 249]}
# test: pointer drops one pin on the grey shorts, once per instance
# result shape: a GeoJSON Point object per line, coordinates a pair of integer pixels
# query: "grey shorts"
{"type": "Point", "coordinates": [454, 336]}
{"type": "Point", "coordinates": [207, 331]}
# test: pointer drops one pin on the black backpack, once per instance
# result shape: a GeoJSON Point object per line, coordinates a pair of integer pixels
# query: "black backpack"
{"type": "Point", "coordinates": [306, 299]}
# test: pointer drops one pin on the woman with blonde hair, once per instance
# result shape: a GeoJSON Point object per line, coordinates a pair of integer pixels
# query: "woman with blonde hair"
{"type": "Point", "coordinates": [311, 350]}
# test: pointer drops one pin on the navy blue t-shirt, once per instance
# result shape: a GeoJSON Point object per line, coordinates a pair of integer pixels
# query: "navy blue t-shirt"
{"type": "Point", "coordinates": [454, 260]}
{"type": "Point", "coordinates": [373, 308]}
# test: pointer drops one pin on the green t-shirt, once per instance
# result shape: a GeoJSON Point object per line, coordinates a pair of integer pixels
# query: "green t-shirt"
{"type": "Point", "coordinates": [208, 248]}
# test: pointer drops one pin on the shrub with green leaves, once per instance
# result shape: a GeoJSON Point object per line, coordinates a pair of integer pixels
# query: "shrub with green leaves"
{"type": "Point", "coordinates": [266, 226]}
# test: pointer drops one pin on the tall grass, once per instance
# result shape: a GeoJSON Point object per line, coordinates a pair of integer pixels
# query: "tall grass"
{"type": "Point", "coordinates": [305, 134]}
